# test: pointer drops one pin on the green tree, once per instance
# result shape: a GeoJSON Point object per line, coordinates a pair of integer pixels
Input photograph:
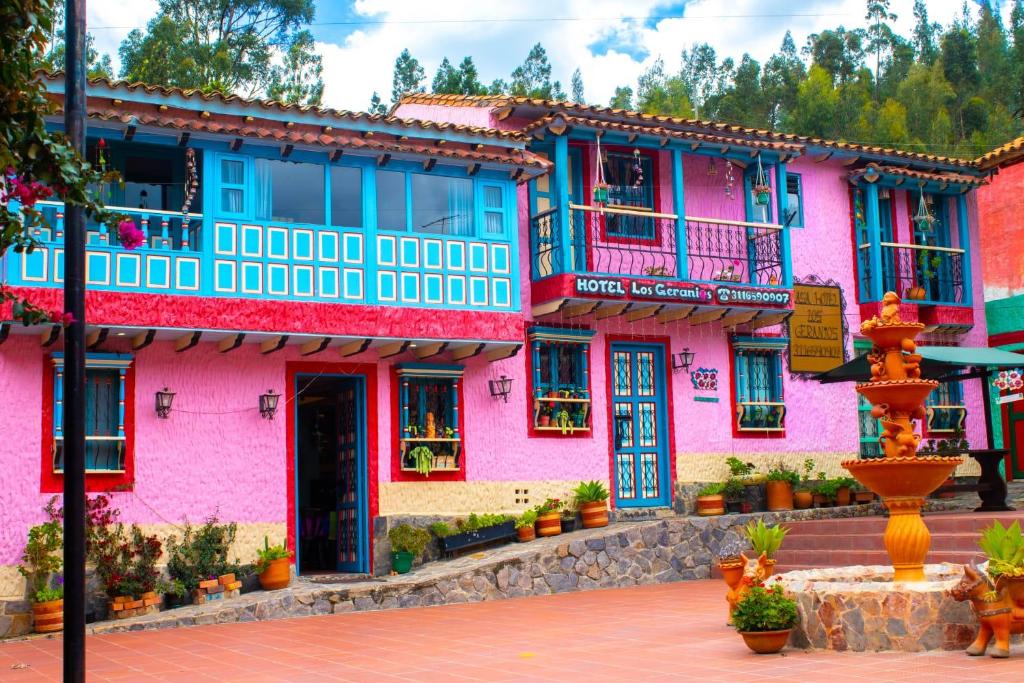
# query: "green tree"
{"type": "Point", "coordinates": [994, 67]}
{"type": "Point", "coordinates": [700, 74]}
{"type": "Point", "coordinates": [97, 65]}
{"type": "Point", "coordinates": [780, 81]}
{"type": "Point", "coordinates": [657, 93]}
{"type": "Point", "coordinates": [891, 125]}
{"type": "Point", "coordinates": [817, 105]}
{"type": "Point", "coordinates": [622, 99]}
{"type": "Point", "coordinates": [533, 77]}
{"type": "Point", "coordinates": [742, 102]}
{"type": "Point", "coordinates": [408, 76]}
{"type": "Point", "coordinates": [924, 34]}
{"type": "Point", "coordinates": [227, 46]}
{"type": "Point", "coordinates": [959, 56]}
{"type": "Point", "coordinates": [376, 106]}
{"type": "Point", "coordinates": [461, 80]}
{"type": "Point", "coordinates": [925, 94]}
{"type": "Point", "coordinates": [838, 51]}
{"type": "Point", "coordinates": [576, 87]}
{"type": "Point", "coordinates": [880, 36]}
{"type": "Point", "coordinates": [1017, 56]}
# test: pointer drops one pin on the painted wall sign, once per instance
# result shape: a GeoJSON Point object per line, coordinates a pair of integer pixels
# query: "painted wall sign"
{"type": "Point", "coordinates": [705, 379]}
{"type": "Point", "coordinates": [686, 292]}
{"type": "Point", "coordinates": [817, 339]}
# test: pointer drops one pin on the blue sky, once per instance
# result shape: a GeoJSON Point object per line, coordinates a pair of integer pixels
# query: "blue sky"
{"type": "Point", "coordinates": [611, 41]}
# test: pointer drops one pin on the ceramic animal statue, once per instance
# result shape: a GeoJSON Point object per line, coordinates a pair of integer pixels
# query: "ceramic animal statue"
{"type": "Point", "coordinates": [997, 613]}
{"type": "Point", "coordinates": [430, 429]}
{"type": "Point", "coordinates": [880, 410]}
{"type": "Point", "coordinates": [755, 571]}
{"type": "Point", "coordinates": [897, 441]}
{"type": "Point", "coordinates": [876, 359]}
{"type": "Point", "coordinates": [908, 345]}
{"type": "Point", "coordinates": [912, 364]}
{"type": "Point", "coordinates": [890, 309]}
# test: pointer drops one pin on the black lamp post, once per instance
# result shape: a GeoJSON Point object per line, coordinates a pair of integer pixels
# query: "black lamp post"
{"type": "Point", "coordinates": [500, 387]}
{"type": "Point", "coordinates": [164, 399]}
{"type": "Point", "coordinates": [683, 360]}
{"type": "Point", "coordinates": [268, 404]}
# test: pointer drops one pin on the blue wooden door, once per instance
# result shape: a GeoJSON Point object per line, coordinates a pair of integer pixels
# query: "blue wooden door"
{"type": "Point", "coordinates": [639, 425]}
{"type": "Point", "coordinates": [351, 486]}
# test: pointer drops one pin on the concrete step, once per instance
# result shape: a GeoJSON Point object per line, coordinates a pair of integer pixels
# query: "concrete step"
{"type": "Point", "coordinates": [938, 523]}
{"type": "Point", "coordinates": [840, 558]}
{"type": "Point", "coordinates": [967, 542]}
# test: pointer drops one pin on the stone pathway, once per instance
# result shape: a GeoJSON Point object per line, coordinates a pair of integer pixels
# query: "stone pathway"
{"type": "Point", "coordinates": [673, 632]}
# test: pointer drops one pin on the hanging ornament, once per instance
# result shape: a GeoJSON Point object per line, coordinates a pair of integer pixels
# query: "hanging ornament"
{"type": "Point", "coordinates": [600, 186]}
{"type": "Point", "coordinates": [923, 219]}
{"type": "Point", "coordinates": [730, 180]}
{"type": "Point", "coordinates": [762, 191]}
{"type": "Point", "coordinates": [638, 169]}
{"type": "Point", "coordinates": [712, 171]}
{"type": "Point", "coordinates": [191, 181]}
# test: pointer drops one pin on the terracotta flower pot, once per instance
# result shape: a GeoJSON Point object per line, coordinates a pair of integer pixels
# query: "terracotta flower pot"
{"type": "Point", "coordinates": [549, 524]}
{"type": "Point", "coordinates": [863, 497]}
{"type": "Point", "coordinates": [708, 506]}
{"type": "Point", "coordinates": [48, 617]}
{"type": "Point", "coordinates": [594, 514]}
{"type": "Point", "coordinates": [766, 642]}
{"type": "Point", "coordinates": [803, 500]}
{"type": "Point", "coordinates": [780, 495]}
{"type": "Point", "coordinates": [822, 501]}
{"type": "Point", "coordinates": [526, 533]}
{"type": "Point", "coordinates": [916, 292]}
{"type": "Point", "coordinates": [843, 495]}
{"type": "Point", "coordinates": [277, 575]}
{"type": "Point", "coordinates": [544, 420]}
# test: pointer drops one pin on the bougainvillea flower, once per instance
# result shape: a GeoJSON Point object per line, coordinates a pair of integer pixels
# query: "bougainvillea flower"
{"type": "Point", "coordinates": [130, 236]}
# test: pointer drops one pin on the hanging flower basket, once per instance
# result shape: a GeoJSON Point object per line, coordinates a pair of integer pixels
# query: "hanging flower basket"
{"type": "Point", "coordinates": [762, 194]}
{"type": "Point", "coordinates": [601, 193]}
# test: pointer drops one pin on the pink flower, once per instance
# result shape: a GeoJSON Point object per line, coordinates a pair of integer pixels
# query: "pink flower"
{"type": "Point", "coordinates": [65, 318]}
{"type": "Point", "coordinates": [130, 236]}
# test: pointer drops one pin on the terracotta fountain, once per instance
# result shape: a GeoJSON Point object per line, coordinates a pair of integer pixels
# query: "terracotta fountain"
{"type": "Point", "coordinates": [902, 478]}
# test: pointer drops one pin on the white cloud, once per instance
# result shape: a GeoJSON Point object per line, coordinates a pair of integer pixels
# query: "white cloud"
{"type": "Point", "coordinates": [498, 35]}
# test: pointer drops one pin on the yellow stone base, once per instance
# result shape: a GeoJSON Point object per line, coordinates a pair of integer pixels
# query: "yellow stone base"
{"type": "Point", "coordinates": [464, 497]}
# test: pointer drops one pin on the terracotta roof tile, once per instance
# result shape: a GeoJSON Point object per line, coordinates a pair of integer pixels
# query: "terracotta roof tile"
{"type": "Point", "coordinates": [1002, 155]}
{"type": "Point", "coordinates": [940, 177]}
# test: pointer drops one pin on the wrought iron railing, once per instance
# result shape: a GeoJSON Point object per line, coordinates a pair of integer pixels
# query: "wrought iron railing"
{"type": "Point", "coordinates": [641, 243]}
{"type": "Point", "coordinates": [163, 229]}
{"type": "Point", "coordinates": [915, 272]}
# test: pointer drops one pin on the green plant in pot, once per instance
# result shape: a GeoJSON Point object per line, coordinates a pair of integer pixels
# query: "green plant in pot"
{"type": "Point", "coordinates": [272, 565]}
{"type": "Point", "coordinates": [844, 490]}
{"type": "Point", "coordinates": [732, 490]}
{"type": "Point", "coordinates": [407, 543]}
{"type": "Point", "coordinates": [591, 497]}
{"type": "Point", "coordinates": [423, 459]}
{"type": "Point", "coordinates": [779, 488]}
{"type": "Point", "coordinates": [1004, 547]}
{"type": "Point", "coordinates": [710, 501]}
{"type": "Point", "coordinates": [764, 618]}
{"type": "Point", "coordinates": [825, 491]}
{"type": "Point", "coordinates": [564, 421]}
{"type": "Point", "coordinates": [41, 559]}
{"type": "Point", "coordinates": [803, 496]}
{"type": "Point", "coordinates": [765, 539]}
{"type": "Point", "coordinates": [524, 525]}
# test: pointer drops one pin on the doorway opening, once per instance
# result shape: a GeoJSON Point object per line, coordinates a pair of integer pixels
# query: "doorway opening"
{"type": "Point", "coordinates": [331, 474]}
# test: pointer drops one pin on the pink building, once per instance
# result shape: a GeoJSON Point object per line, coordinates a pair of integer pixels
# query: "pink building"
{"type": "Point", "coordinates": [468, 308]}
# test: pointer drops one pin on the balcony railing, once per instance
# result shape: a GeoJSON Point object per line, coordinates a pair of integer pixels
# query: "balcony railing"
{"type": "Point", "coordinates": [922, 273]}
{"type": "Point", "coordinates": [163, 229]}
{"type": "Point", "coordinates": [616, 241]}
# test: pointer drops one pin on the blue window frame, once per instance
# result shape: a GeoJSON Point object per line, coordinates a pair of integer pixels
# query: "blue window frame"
{"type": "Point", "coordinates": [560, 376]}
{"type": "Point", "coordinates": [428, 413]}
{"type": "Point", "coordinates": [493, 209]}
{"type": "Point", "coordinates": [794, 201]}
{"type": "Point", "coordinates": [945, 409]}
{"type": "Point", "coordinates": [757, 365]}
{"type": "Point", "coordinates": [105, 439]}
{"type": "Point", "coordinates": [233, 174]}
{"type": "Point", "coordinates": [630, 189]}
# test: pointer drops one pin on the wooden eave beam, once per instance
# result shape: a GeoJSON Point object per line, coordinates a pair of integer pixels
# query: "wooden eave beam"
{"type": "Point", "coordinates": [273, 345]}
{"type": "Point", "coordinates": [314, 346]}
{"type": "Point", "coordinates": [663, 142]}
{"type": "Point", "coordinates": [822, 157]}
{"type": "Point", "coordinates": [558, 126]}
{"type": "Point", "coordinates": [96, 337]}
{"type": "Point", "coordinates": [286, 150]}
{"type": "Point", "coordinates": [632, 137]}
{"type": "Point", "coordinates": [850, 162]}
{"type": "Point", "coordinates": [707, 316]}
{"type": "Point", "coordinates": [230, 343]}
{"type": "Point", "coordinates": [467, 351]}
{"type": "Point", "coordinates": [473, 170]}
{"type": "Point", "coordinates": [183, 139]}
{"type": "Point", "coordinates": [549, 307]}
{"type": "Point", "coordinates": [425, 351]}
{"type": "Point", "coordinates": [516, 174]}
{"type": "Point", "coordinates": [674, 314]}
{"type": "Point", "coordinates": [429, 164]}
{"type": "Point", "coordinates": [353, 348]}
{"type": "Point", "coordinates": [50, 336]}
{"type": "Point", "coordinates": [129, 132]}
{"type": "Point", "coordinates": [187, 341]}
{"type": "Point", "coordinates": [383, 160]}
{"type": "Point", "coordinates": [738, 318]}
{"type": "Point", "coordinates": [393, 349]}
{"type": "Point", "coordinates": [580, 310]}
{"type": "Point", "coordinates": [611, 310]}
{"type": "Point", "coordinates": [769, 319]}
{"type": "Point", "coordinates": [694, 146]}
{"type": "Point", "coordinates": [644, 313]}
{"type": "Point", "coordinates": [235, 145]}
{"type": "Point", "coordinates": [502, 352]}
{"type": "Point", "coordinates": [143, 339]}
{"type": "Point", "coordinates": [337, 154]}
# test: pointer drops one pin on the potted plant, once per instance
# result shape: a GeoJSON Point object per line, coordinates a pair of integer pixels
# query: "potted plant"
{"type": "Point", "coordinates": [524, 526]}
{"type": "Point", "coordinates": [201, 553]}
{"type": "Point", "coordinates": [423, 459]}
{"type": "Point", "coordinates": [803, 498]}
{"type": "Point", "coordinates": [591, 498]}
{"type": "Point", "coordinates": [544, 417]}
{"type": "Point", "coordinates": [844, 490]}
{"type": "Point", "coordinates": [568, 519]}
{"type": "Point", "coordinates": [765, 540]}
{"type": "Point", "coordinates": [764, 618]}
{"type": "Point", "coordinates": [473, 531]}
{"type": "Point", "coordinates": [549, 517]}
{"type": "Point", "coordinates": [779, 487]}
{"type": "Point", "coordinates": [1004, 547]}
{"type": "Point", "coordinates": [564, 421]}
{"type": "Point", "coordinates": [407, 543]}
{"type": "Point", "coordinates": [710, 500]}
{"type": "Point", "coordinates": [579, 418]}
{"type": "Point", "coordinates": [272, 566]}
{"type": "Point", "coordinates": [862, 495]}
{"type": "Point", "coordinates": [42, 558]}
{"type": "Point", "coordinates": [733, 492]}
{"type": "Point", "coordinates": [825, 491]}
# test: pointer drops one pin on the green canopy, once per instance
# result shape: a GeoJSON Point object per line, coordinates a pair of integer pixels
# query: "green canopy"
{"type": "Point", "coordinates": [939, 362]}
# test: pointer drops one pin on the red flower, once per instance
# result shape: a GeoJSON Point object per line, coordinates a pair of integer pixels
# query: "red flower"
{"type": "Point", "coordinates": [130, 236]}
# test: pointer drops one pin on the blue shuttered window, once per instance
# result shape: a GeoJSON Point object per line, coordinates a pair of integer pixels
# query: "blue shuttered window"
{"type": "Point", "coordinates": [104, 412]}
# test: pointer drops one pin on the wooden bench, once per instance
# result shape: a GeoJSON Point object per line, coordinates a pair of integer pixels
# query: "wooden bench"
{"type": "Point", "coordinates": [990, 487]}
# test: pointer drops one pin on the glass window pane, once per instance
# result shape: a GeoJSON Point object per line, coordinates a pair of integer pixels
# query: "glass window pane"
{"type": "Point", "coordinates": [102, 394]}
{"type": "Point", "coordinates": [232, 171]}
{"type": "Point", "coordinates": [295, 189]}
{"type": "Point", "coordinates": [391, 213]}
{"type": "Point", "coordinates": [346, 197]}
{"type": "Point", "coordinates": [794, 201]}
{"type": "Point", "coordinates": [492, 197]}
{"type": "Point", "coordinates": [231, 200]}
{"type": "Point", "coordinates": [495, 223]}
{"type": "Point", "coordinates": [442, 205]}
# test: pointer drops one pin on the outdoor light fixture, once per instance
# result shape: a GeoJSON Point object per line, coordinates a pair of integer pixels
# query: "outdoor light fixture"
{"type": "Point", "coordinates": [164, 399]}
{"type": "Point", "coordinates": [683, 360]}
{"type": "Point", "coordinates": [268, 404]}
{"type": "Point", "coordinates": [500, 387]}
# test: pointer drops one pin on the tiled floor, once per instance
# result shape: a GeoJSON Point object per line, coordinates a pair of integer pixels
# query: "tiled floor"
{"type": "Point", "coordinates": [649, 633]}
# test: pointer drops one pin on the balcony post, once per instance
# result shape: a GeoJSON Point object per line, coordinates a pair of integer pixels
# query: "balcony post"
{"type": "Point", "coordinates": [782, 203]}
{"type": "Point", "coordinates": [875, 239]}
{"type": "Point", "coordinates": [679, 206]}
{"type": "Point", "coordinates": [562, 217]}
{"type": "Point", "coordinates": [964, 238]}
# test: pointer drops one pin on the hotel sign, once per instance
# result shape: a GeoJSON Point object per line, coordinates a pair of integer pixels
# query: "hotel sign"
{"type": "Point", "coordinates": [817, 335]}
{"type": "Point", "coordinates": [680, 292]}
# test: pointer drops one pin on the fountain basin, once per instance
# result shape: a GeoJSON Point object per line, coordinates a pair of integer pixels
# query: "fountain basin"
{"type": "Point", "coordinates": [862, 609]}
{"type": "Point", "coordinates": [915, 476]}
{"type": "Point", "coordinates": [901, 395]}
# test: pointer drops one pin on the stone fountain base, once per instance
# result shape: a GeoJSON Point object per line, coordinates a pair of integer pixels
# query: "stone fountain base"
{"type": "Point", "coordinates": [861, 609]}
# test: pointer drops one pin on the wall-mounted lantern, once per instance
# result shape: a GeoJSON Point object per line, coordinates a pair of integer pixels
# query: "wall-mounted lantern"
{"type": "Point", "coordinates": [683, 360]}
{"type": "Point", "coordinates": [500, 387]}
{"type": "Point", "coordinates": [268, 404]}
{"type": "Point", "coordinates": [164, 399]}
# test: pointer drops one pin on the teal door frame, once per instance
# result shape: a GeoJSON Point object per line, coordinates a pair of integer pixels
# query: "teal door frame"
{"type": "Point", "coordinates": [638, 396]}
